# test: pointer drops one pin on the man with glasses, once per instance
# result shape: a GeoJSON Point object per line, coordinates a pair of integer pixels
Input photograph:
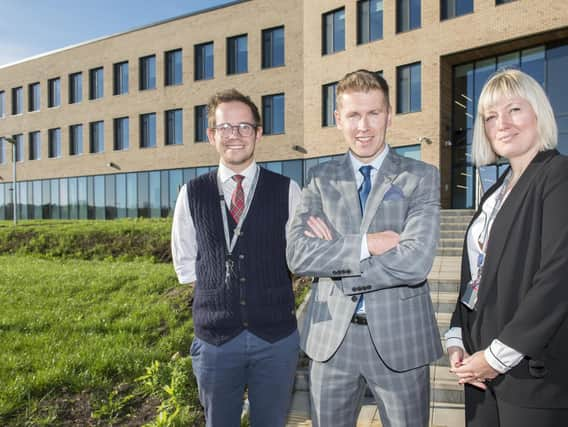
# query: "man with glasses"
{"type": "Point", "coordinates": [367, 229]}
{"type": "Point", "coordinates": [228, 242]}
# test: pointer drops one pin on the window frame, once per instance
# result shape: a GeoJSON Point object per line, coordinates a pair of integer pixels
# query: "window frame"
{"type": "Point", "coordinates": [234, 66]}
{"type": "Point", "coordinates": [76, 87]}
{"type": "Point", "coordinates": [34, 97]}
{"type": "Point", "coordinates": [173, 70]}
{"type": "Point", "coordinates": [54, 92]}
{"type": "Point", "coordinates": [170, 129]}
{"type": "Point", "coordinates": [399, 90]}
{"type": "Point", "coordinates": [145, 80]}
{"type": "Point", "coordinates": [198, 111]}
{"type": "Point", "coordinates": [330, 46]}
{"type": "Point", "coordinates": [270, 59]}
{"type": "Point", "coordinates": [97, 137]}
{"type": "Point", "coordinates": [269, 112]}
{"type": "Point", "coordinates": [96, 83]}
{"type": "Point", "coordinates": [325, 101]}
{"type": "Point", "coordinates": [200, 65]}
{"type": "Point", "coordinates": [120, 78]}
{"type": "Point", "coordinates": [76, 139]}
{"type": "Point", "coordinates": [120, 131]}
{"type": "Point", "coordinates": [147, 137]}
{"type": "Point", "coordinates": [402, 25]}
{"type": "Point", "coordinates": [54, 144]}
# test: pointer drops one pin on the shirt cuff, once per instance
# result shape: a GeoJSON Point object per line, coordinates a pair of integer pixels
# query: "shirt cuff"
{"type": "Point", "coordinates": [364, 248]}
{"type": "Point", "coordinates": [453, 337]}
{"type": "Point", "coordinates": [501, 357]}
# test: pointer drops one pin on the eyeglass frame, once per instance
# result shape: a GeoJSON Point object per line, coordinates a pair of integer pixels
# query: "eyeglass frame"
{"type": "Point", "coordinates": [223, 128]}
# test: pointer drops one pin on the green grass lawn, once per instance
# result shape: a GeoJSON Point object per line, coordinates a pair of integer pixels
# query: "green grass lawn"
{"type": "Point", "coordinates": [77, 328]}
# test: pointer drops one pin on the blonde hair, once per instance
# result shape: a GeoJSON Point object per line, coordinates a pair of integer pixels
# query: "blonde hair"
{"type": "Point", "coordinates": [361, 81]}
{"type": "Point", "coordinates": [512, 83]}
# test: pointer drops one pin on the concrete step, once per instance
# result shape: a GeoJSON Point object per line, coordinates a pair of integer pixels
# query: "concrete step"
{"type": "Point", "coordinates": [456, 212]}
{"type": "Point", "coordinates": [452, 234]}
{"type": "Point", "coordinates": [444, 286]}
{"type": "Point", "coordinates": [455, 219]}
{"type": "Point", "coordinates": [451, 243]}
{"type": "Point", "coordinates": [454, 226]}
{"type": "Point", "coordinates": [449, 251]}
{"type": "Point", "coordinates": [444, 386]}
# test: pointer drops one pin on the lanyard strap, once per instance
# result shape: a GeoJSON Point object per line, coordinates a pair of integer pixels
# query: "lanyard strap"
{"type": "Point", "coordinates": [231, 243]}
{"type": "Point", "coordinates": [484, 237]}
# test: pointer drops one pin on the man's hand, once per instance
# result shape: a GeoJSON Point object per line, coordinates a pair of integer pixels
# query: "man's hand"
{"type": "Point", "coordinates": [318, 229]}
{"type": "Point", "coordinates": [381, 242]}
{"type": "Point", "coordinates": [473, 369]}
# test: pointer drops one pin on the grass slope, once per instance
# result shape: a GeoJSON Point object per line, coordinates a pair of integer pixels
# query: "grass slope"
{"type": "Point", "coordinates": [67, 326]}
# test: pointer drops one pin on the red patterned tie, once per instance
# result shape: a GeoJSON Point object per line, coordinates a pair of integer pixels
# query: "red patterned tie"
{"type": "Point", "coordinates": [238, 198]}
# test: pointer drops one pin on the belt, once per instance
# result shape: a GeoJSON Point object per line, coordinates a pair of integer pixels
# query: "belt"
{"type": "Point", "coordinates": [359, 319]}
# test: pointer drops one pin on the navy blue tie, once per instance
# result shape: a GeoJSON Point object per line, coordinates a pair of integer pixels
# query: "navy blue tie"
{"type": "Point", "coordinates": [365, 188]}
{"type": "Point", "coordinates": [364, 191]}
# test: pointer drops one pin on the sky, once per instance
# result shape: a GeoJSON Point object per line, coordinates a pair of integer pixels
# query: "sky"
{"type": "Point", "coordinates": [33, 27]}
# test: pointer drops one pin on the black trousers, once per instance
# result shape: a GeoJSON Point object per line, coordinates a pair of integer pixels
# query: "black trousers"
{"type": "Point", "coordinates": [484, 409]}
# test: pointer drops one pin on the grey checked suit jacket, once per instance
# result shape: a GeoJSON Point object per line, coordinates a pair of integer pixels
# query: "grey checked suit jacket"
{"type": "Point", "coordinates": [404, 198]}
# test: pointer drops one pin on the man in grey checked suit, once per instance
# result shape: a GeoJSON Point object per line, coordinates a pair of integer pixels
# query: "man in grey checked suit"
{"type": "Point", "coordinates": [367, 229]}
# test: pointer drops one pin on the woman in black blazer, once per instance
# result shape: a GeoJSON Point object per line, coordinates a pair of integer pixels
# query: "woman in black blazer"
{"type": "Point", "coordinates": [508, 340]}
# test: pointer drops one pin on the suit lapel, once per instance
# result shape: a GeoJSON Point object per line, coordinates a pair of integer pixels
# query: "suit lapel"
{"type": "Point", "coordinates": [381, 184]}
{"type": "Point", "coordinates": [347, 187]}
{"type": "Point", "coordinates": [506, 217]}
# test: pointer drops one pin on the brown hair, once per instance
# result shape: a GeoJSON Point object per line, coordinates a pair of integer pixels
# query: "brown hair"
{"type": "Point", "coordinates": [230, 95]}
{"type": "Point", "coordinates": [362, 81]}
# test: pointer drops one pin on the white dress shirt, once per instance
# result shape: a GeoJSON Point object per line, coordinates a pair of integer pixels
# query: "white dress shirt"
{"type": "Point", "coordinates": [500, 356]}
{"type": "Point", "coordinates": [376, 163]}
{"type": "Point", "coordinates": [184, 243]}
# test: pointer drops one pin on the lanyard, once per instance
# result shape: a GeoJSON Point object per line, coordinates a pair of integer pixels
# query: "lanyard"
{"type": "Point", "coordinates": [231, 243]}
{"type": "Point", "coordinates": [484, 237]}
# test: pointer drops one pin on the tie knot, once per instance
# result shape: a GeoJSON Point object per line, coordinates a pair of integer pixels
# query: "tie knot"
{"type": "Point", "coordinates": [366, 171]}
{"type": "Point", "coordinates": [238, 178]}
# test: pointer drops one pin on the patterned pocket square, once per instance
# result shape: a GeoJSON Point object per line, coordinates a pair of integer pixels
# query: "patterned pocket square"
{"type": "Point", "coordinates": [393, 193]}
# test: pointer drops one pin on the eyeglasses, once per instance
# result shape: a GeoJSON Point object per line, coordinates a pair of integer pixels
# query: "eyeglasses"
{"type": "Point", "coordinates": [243, 129]}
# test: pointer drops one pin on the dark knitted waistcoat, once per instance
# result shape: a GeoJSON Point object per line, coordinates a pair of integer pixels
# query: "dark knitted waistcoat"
{"type": "Point", "coordinates": [258, 296]}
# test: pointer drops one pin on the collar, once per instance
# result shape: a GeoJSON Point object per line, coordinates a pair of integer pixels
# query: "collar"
{"type": "Point", "coordinates": [376, 163]}
{"type": "Point", "coordinates": [225, 174]}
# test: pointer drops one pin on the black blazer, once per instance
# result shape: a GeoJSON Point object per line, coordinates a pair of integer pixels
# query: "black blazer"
{"type": "Point", "coordinates": [523, 294]}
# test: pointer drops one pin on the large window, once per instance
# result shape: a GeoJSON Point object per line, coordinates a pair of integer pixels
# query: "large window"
{"type": "Point", "coordinates": [408, 88]}
{"type": "Point", "coordinates": [237, 55]}
{"type": "Point", "coordinates": [328, 104]}
{"type": "Point", "coordinates": [369, 21]}
{"type": "Point", "coordinates": [408, 15]}
{"type": "Point", "coordinates": [454, 8]}
{"type": "Point", "coordinates": [96, 83]}
{"type": "Point", "coordinates": [120, 78]}
{"type": "Point", "coordinates": [174, 127]}
{"type": "Point", "coordinates": [75, 140]}
{"type": "Point", "coordinates": [121, 133]}
{"type": "Point", "coordinates": [75, 88]}
{"type": "Point", "coordinates": [546, 64]}
{"type": "Point", "coordinates": [204, 61]}
{"type": "Point", "coordinates": [173, 63]}
{"type": "Point", "coordinates": [333, 31]}
{"type": "Point", "coordinates": [2, 104]}
{"type": "Point", "coordinates": [34, 145]}
{"type": "Point", "coordinates": [273, 114]}
{"type": "Point", "coordinates": [17, 100]}
{"type": "Point", "coordinates": [96, 137]}
{"type": "Point", "coordinates": [34, 97]}
{"type": "Point", "coordinates": [54, 92]}
{"type": "Point", "coordinates": [148, 72]}
{"type": "Point", "coordinates": [54, 143]}
{"type": "Point", "coordinates": [19, 147]}
{"type": "Point", "coordinates": [273, 47]}
{"type": "Point", "coordinates": [147, 130]}
{"type": "Point", "coordinates": [201, 123]}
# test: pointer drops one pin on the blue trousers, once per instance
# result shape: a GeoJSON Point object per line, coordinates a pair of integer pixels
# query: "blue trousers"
{"type": "Point", "coordinates": [223, 372]}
